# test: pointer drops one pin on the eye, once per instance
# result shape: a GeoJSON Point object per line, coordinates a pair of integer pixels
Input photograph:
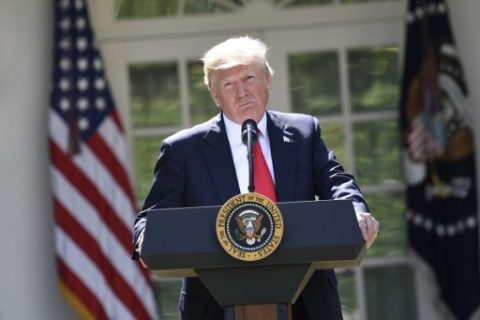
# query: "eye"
{"type": "Point", "coordinates": [250, 79]}
{"type": "Point", "coordinates": [227, 85]}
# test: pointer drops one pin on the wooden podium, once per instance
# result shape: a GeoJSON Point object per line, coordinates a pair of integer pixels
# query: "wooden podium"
{"type": "Point", "coordinates": [181, 242]}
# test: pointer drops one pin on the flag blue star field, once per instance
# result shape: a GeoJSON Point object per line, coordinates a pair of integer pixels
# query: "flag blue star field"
{"type": "Point", "coordinates": [93, 201]}
{"type": "Point", "coordinates": [437, 135]}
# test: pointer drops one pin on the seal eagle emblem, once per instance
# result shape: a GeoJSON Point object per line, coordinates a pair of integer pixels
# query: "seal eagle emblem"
{"type": "Point", "coordinates": [249, 226]}
{"type": "Point", "coordinates": [250, 222]}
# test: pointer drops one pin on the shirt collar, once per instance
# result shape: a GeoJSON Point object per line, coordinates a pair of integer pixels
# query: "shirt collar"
{"type": "Point", "coordinates": [234, 129]}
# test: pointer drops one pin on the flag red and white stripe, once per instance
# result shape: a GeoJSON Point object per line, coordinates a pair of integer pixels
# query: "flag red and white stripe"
{"type": "Point", "coordinates": [93, 202]}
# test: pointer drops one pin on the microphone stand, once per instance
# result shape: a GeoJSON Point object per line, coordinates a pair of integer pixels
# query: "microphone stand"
{"type": "Point", "coordinates": [249, 138]}
{"type": "Point", "coordinates": [250, 143]}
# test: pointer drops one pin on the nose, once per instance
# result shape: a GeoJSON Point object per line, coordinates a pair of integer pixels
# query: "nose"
{"type": "Point", "coordinates": [241, 92]}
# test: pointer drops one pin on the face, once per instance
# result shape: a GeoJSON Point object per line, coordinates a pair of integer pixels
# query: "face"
{"type": "Point", "coordinates": [242, 91]}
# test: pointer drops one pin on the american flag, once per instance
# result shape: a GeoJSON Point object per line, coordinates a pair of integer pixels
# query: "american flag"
{"type": "Point", "coordinates": [92, 197]}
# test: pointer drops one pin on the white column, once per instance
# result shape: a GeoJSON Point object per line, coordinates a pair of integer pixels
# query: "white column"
{"type": "Point", "coordinates": [464, 16]}
{"type": "Point", "coordinates": [28, 287]}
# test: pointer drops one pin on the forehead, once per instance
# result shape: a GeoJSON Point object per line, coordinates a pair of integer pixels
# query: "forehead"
{"type": "Point", "coordinates": [238, 70]}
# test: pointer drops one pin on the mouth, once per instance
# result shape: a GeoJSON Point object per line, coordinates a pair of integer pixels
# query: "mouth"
{"type": "Point", "coordinates": [245, 105]}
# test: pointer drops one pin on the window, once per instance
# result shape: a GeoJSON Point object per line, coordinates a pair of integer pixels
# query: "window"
{"type": "Point", "coordinates": [135, 9]}
{"type": "Point", "coordinates": [128, 9]}
{"type": "Point", "coordinates": [362, 125]}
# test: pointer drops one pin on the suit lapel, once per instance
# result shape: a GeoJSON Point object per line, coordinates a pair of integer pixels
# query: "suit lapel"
{"type": "Point", "coordinates": [282, 148]}
{"type": "Point", "coordinates": [218, 157]}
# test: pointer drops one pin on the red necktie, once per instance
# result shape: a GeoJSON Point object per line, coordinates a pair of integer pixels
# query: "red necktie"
{"type": "Point", "coordinates": [262, 177]}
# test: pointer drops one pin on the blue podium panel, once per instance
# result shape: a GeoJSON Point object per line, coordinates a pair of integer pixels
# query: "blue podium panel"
{"type": "Point", "coordinates": [322, 233]}
{"type": "Point", "coordinates": [182, 242]}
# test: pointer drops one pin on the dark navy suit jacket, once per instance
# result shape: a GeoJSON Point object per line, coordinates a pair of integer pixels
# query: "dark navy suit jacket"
{"type": "Point", "coordinates": [195, 168]}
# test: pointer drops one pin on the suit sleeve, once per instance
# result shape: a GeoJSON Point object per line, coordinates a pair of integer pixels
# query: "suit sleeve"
{"type": "Point", "coordinates": [166, 190]}
{"type": "Point", "coordinates": [330, 179]}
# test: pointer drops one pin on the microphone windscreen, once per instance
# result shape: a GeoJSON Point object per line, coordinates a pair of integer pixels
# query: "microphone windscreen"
{"type": "Point", "coordinates": [249, 126]}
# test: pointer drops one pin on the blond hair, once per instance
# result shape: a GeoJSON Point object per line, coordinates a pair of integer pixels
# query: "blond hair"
{"type": "Point", "coordinates": [233, 52]}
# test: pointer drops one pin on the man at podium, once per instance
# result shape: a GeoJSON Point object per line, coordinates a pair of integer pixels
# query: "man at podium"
{"type": "Point", "coordinates": [207, 165]}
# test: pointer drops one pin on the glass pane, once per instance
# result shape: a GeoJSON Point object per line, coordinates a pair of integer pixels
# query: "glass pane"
{"type": "Point", "coordinates": [167, 293]}
{"type": "Point", "coordinates": [145, 154]}
{"type": "Point", "coordinates": [348, 297]}
{"type": "Point", "coordinates": [334, 136]}
{"type": "Point", "coordinates": [154, 94]}
{"type": "Point", "coordinates": [314, 83]}
{"type": "Point", "coordinates": [362, 1]}
{"type": "Point", "coordinates": [373, 75]}
{"type": "Point", "coordinates": [128, 9]}
{"type": "Point", "coordinates": [377, 152]}
{"type": "Point", "coordinates": [389, 210]}
{"type": "Point", "coordinates": [208, 6]}
{"type": "Point", "coordinates": [390, 293]}
{"type": "Point", "coordinates": [146, 8]}
{"type": "Point", "coordinates": [296, 3]}
{"type": "Point", "coordinates": [201, 104]}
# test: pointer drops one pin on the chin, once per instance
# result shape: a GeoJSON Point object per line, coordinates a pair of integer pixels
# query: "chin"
{"type": "Point", "coordinates": [255, 115]}
{"type": "Point", "coordinates": [247, 113]}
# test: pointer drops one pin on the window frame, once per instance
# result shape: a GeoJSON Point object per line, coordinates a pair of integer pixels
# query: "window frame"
{"type": "Point", "coordinates": [286, 31]}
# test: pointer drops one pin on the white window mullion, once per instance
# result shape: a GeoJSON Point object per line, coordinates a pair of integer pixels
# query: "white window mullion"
{"type": "Point", "coordinates": [184, 92]}
{"type": "Point", "coordinates": [346, 109]}
{"type": "Point", "coordinates": [181, 8]}
{"type": "Point", "coordinates": [360, 293]}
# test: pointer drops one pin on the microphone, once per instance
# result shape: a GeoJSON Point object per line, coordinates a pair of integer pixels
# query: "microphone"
{"type": "Point", "coordinates": [249, 138]}
{"type": "Point", "coordinates": [249, 129]}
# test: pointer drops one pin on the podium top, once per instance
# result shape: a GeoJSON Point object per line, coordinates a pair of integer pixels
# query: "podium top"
{"type": "Point", "coordinates": [324, 234]}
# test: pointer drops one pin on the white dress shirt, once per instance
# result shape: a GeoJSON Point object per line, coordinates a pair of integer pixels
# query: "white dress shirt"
{"type": "Point", "coordinates": [239, 150]}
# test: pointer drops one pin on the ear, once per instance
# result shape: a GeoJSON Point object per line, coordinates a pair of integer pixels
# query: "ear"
{"type": "Point", "coordinates": [268, 83]}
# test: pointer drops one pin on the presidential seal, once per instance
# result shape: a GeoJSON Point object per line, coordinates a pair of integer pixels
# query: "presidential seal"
{"type": "Point", "coordinates": [249, 226]}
